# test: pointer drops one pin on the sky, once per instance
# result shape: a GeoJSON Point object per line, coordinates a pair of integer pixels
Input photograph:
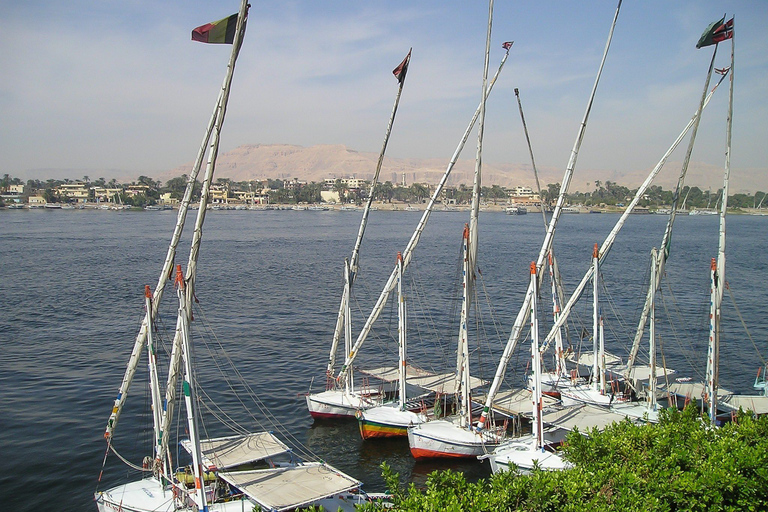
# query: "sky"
{"type": "Point", "coordinates": [118, 89]}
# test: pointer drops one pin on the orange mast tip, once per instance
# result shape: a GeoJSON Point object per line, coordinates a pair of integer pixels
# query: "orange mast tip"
{"type": "Point", "coordinates": [179, 277]}
{"type": "Point", "coordinates": [399, 256]}
{"type": "Point", "coordinates": [713, 266]}
{"type": "Point", "coordinates": [147, 292]}
{"type": "Point", "coordinates": [466, 231]}
{"type": "Point", "coordinates": [533, 267]}
{"type": "Point", "coordinates": [595, 252]}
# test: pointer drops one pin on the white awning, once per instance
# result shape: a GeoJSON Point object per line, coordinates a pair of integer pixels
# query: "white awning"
{"type": "Point", "coordinates": [439, 383]}
{"type": "Point", "coordinates": [291, 487]}
{"type": "Point", "coordinates": [644, 373]}
{"type": "Point", "coordinates": [515, 402]}
{"type": "Point", "coordinates": [228, 452]}
{"type": "Point", "coordinates": [585, 417]}
{"type": "Point", "coordinates": [755, 403]}
{"type": "Point", "coordinates": [612, 362]}
{"type": "Point", "coordinates": [691, 389]}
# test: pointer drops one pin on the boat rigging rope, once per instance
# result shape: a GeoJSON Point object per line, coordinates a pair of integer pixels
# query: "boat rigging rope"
{"type": "Point", "coordinates": [299, 448]}
{"type": "Point", "coordinates": [695, 366]}
{"type": "Point", "coordinates": [127, 462]}
{"type": "Point", "coordinates": [741, 319]}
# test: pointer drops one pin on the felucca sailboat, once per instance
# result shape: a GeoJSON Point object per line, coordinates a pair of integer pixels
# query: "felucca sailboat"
{"type": "Point", "coordinates": [214, 480]}
{"type": "Point", "coordinates": [341, 397]}
{"type": "Point", "coordinates": [527, 452]}
{"type": "Point", "coordinates": [454, 436]}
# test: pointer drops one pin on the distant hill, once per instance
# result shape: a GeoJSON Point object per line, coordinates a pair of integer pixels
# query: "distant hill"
{"type": "Point", "coordinates": [316, 163]}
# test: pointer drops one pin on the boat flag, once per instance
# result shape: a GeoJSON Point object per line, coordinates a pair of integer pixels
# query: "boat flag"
{"type": "Point", "coordinates": [717, 32]}
{"type": "Point", "coordinates": [220, 32]}
{"type": "Point", "coordinates": [402, 69]}
{"type": "Point", "coordinates": [507, 45]}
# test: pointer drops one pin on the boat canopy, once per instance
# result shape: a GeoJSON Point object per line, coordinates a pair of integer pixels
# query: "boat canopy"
{"type": "Point", "coordinates": [228, 452]}
{"type": "Point", "coordinates": [287, 488]}
{"type": "Point", "coordinates": [585, 417]}
{"type": "Point", "coordinates": [439, 383]}
{"type": "Point", "coordinates": [515, 402]}
{"type": "Point", "coordinates": [755, 403]}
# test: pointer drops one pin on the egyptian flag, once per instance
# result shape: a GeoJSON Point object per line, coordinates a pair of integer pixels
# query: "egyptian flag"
{"type": "Point", "coordinates": [220, 32]}
{"type": "Point", "coordinates": [717, 32]}
{"type": "Point", "coordinates": [402, 69]}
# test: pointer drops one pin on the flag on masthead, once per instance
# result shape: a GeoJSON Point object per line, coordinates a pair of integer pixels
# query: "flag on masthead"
{"type": "Point", "coordinates": [402, 69]}
{"type": "Point", "coordinates": [717, 32]}
{"type": "Point", "coordinates": [219, 32]}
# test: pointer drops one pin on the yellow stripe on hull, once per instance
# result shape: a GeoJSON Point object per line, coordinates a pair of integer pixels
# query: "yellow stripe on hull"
{"type": "Point", "coordinates": [370, 430]}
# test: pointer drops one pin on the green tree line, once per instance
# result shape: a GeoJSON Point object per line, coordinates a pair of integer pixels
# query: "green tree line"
{"type": "Point", "coordinates": [606, 193]}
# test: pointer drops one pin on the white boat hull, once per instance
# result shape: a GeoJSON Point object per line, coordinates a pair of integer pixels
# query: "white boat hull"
{"type": "Point", "coordinates": [340, 404]}
{"type": "Point", "coordinates": [148, 495]}
{"type": "Point", "coordinates": [522, 452]}
{"type": "Point", "coordinates": [447, 439]}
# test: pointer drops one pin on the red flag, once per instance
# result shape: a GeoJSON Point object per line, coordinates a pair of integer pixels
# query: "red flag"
{"type": "Point", "coordinates": [717, 32]}
{"type": "Point", "coordinates": [402, 69]}
{"type": "Point", "coordinates": [507, 45]}
{"type": "Point", "coordinates": [222, 31]}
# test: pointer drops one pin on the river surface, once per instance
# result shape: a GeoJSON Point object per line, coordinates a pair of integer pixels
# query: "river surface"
{"type": "Point", "coordinates": [269, 285]}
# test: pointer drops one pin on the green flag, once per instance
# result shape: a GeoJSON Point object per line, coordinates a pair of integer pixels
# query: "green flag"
{"type": "Point", "coordinates": [717, 32]}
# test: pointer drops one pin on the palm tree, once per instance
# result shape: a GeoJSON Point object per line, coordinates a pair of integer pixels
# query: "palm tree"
{"type": "Point", "coordinates": [341, 189]}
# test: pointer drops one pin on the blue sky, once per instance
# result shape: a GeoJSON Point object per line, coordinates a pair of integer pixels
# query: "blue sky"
{"type": "Point", "coordinates": [118, 88]}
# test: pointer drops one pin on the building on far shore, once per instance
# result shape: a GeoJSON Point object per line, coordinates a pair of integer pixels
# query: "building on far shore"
{"type": "Point", "coordinates": [79, 191]}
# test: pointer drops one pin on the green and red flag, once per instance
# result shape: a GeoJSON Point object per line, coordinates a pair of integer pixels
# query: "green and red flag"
{"type": "Point", "coordinates": [402, 69]}
{"type": "Point", "coordinates": [220, 32]}
{"type": "Point", "coordinates": [717, 32]}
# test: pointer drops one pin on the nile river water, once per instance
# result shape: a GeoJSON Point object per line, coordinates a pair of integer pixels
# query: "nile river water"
{"type": "Point", "coordinates": [269, 284]}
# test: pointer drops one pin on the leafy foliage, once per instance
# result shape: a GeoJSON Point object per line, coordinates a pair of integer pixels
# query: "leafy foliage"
{"type": "Point", "coordinates": [680, 464]}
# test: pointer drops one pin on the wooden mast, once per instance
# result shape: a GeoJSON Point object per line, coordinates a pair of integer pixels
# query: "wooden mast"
{"type": "Point", "coordinates": [415, 237]}
{"type": "Point", "coordinates": [547, 244]}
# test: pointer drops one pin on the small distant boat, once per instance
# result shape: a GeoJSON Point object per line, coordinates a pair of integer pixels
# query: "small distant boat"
{"type": "Point", "coordinates": [571, 209]}
{"type": "Point", "coordinates": [516, 210]}
{"type": "Point", "coordinates": [52, 206]}
{"type": "Point", "coordinates": [153, 208]}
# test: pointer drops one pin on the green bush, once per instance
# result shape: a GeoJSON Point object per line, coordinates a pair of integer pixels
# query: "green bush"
{"type": "Point", "coordinates": [682, 463]}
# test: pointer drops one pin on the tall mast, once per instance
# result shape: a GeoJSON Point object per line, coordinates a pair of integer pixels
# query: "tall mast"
{"type": "Point", "coordinates": [718, 270]}
{"type": "Point", "coordinates": [560, 368]}
{"type": "Point", "coordinates": [402, 331]}
{"type": "Point", "coordinates": [470, 239]}
{"type": "Point", "coordinates": [666, 241]}
{"type": "Point", "coordinates": [538, 427]}
{"type": "Point", "coordinates": [597, 379]}
{"type": "Point", "coordinates": [530, 151]}
{"type": "Point", "coordinates": [415, 237]}
{"type": "Point", "coordinates": [400, 73]}
{"type": "Point", "coordinates": [154, 385]}
{"type": "Point", "coordinates": [462, 352]}
{"type": "Point", "coordinates": [611, 238]}
{"type": "Point", "coordinates": [547, 244]}
{"type": "Point", "coordinates": [165, 274]}
{"type": "Point", "coordinates": [189, 288]}
{"type": "Point", "coordinates": [652, 332]}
